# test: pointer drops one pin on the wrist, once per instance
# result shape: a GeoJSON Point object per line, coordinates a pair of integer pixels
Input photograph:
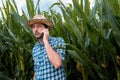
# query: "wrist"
{"type": "Point", "coordinates": [45, 41]}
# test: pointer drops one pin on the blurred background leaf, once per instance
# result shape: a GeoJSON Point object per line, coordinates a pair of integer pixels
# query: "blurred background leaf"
{"type": "Point", "coordinates": [92, 37]}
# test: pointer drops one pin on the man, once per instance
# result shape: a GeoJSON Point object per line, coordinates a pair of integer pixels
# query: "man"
{"type": "Point", "coordinates": [47, 55]}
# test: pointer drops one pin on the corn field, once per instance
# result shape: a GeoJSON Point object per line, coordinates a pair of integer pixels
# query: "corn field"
{"type": "Point", "coordinates": [92, 37]}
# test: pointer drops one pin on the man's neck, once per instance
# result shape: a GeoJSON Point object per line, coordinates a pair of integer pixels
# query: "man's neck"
{"type": "Point", "coordinates": [41, 41]}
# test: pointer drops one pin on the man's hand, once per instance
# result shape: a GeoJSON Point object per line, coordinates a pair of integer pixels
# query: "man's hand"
{"type": "Point", "coordinates": [46, 35]}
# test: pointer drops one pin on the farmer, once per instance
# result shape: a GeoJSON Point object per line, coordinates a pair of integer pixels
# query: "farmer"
{"type": "Point", "coordinates": [48, 52]}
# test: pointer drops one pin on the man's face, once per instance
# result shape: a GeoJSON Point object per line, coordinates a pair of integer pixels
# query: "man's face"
{"type": "Point", "coordinates": [37, 30]}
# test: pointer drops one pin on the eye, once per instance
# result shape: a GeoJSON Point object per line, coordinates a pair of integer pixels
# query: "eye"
{"type": "Point", "coordinates": [32, 26]}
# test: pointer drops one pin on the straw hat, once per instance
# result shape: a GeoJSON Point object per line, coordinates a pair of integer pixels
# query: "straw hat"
{"type": "Point", "coordinates": [38, 18]}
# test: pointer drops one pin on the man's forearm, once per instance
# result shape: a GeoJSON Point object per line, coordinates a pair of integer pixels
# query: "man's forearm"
{"type": "Point", "coordinates": [53, 56]}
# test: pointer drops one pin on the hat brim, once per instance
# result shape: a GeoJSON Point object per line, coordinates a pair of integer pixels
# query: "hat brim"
{"type": "Point", "coordinates": [40, 21]}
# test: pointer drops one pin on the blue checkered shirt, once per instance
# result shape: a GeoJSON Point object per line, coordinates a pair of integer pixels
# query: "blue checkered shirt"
{"type": "Point", "coordinates": [42, 66]}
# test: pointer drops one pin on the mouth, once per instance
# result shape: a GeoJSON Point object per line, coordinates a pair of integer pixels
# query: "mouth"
{"type": "Point", "coordinates": [38, 35]}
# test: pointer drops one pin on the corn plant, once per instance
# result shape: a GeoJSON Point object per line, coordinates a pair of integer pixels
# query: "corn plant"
{"type": "Point", "coordinates": [16, 42]}
{"type": "Point", "coordinates": [92, 38]}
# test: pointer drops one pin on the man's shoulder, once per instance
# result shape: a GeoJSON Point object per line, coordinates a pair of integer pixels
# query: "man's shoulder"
{"type": "Point", "coordinates": [56, 38]}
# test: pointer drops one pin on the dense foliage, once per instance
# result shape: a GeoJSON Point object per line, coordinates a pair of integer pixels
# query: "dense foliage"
{"type": "Point", "coordinates": [92, 37]}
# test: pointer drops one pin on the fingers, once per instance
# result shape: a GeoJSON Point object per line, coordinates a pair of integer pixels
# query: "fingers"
{"type": "Point", "coordinates": [45, 31]}
{"type": "Point", "coordinates": [46, 35]}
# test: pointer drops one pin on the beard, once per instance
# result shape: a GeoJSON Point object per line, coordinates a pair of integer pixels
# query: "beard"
{"type": "Point", "coordinates": [39, 35]}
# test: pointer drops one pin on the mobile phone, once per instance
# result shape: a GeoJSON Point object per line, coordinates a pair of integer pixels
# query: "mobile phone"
{"type": "Point", "coordinates": [41, 36]}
